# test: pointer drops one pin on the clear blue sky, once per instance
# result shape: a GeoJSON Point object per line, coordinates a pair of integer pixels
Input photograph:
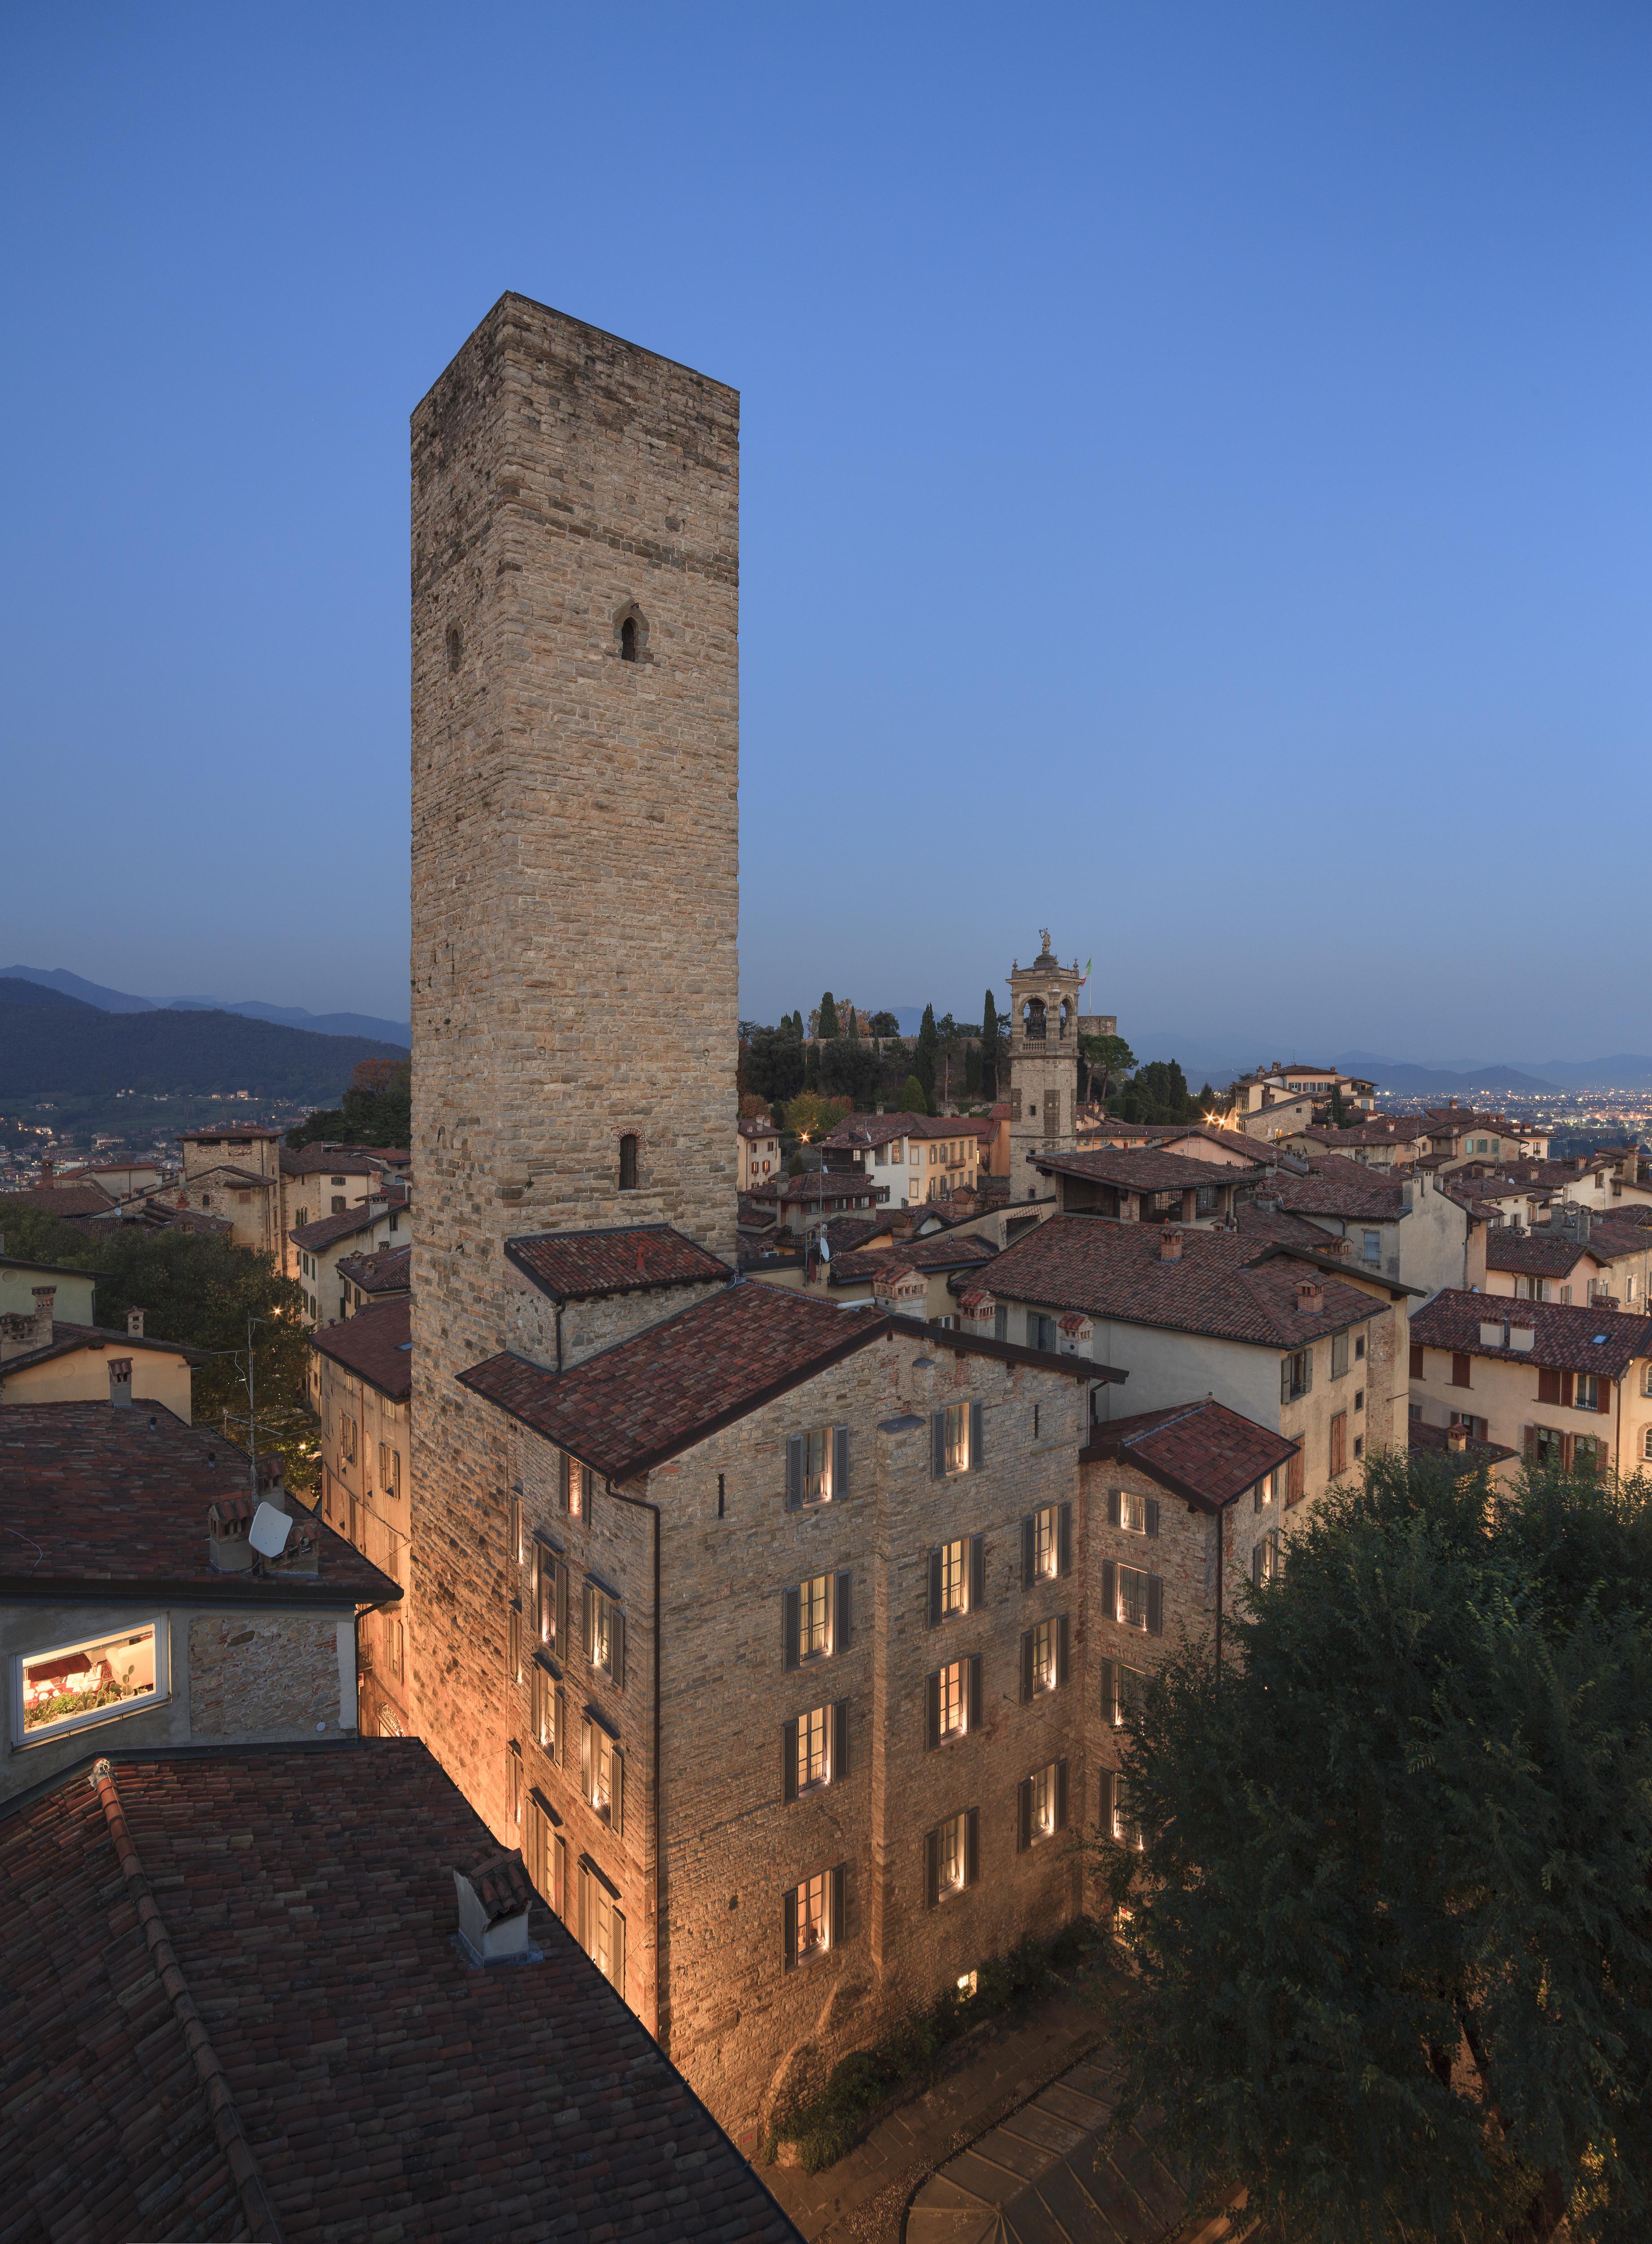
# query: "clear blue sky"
{"type": "Point", "coordinates": [1197, 484]}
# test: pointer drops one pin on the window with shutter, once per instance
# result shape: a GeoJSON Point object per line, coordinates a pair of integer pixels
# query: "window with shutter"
{"type": "Point", "coordinates": [843, 1617]}
{"type": "Point", "coordinates": [1339, 1347]}
{"type": "Point", "coordinates": [1043, 1804]}
{"type": "Point", "coordinates": [513, 1784]}
{"type": "Point", "coordinates": [1294, 1480]}
{"type": "Point", "coordinates": [1460, 1370]}
{"type": "Point", "coordinates": [1338, 1442]}
{"type": "Point", "coordinates": [977, 1572]}
{"type": "Point", "coordinates": [977, 1440]}
{"type": "Point", "coordinates": [949, 1581]}
{"type": "Point", "coordinates": [813, 1608]}
{"type": "Point", "coordinates": [937, 1445]}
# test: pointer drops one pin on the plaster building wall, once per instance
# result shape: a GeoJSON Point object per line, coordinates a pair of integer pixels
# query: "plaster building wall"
{"type": "Point", "coordinates": [1505, 1395]}
{"type": "Point", "coordinates": [367, 1497]}
{"type": "Point", "coordinates": [575, 834]}
{"type": "Point", "coordinates": [706, 1968]}
{"type": "Point", "coordinates": [84, 1377]}
{"type": "Point", "coordinates": [74, 1290]}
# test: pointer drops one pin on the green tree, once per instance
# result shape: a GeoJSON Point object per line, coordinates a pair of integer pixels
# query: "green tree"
{"type": "Point", "coordinates": [810, 1116]}
{"type": "Point", "coordinates": [826, 1027]}
{"type": "Point", "coordinates": [990, 1056]}
{"type": "Point", "coordinates": [851, 1068]}
{"type": "Point", "coordinates": [199, 1289]}
{"type": "Point", "coordinates": [882, 1024]}
{"type": "Point", "coordinates": [1158, 1092]}
{"type": "Point", "coordinates": [773, 1060]}
{"type": "Point", "coordinates": [376, 1109]}
{"type": "Point", "coordinates": [1339, 1115]}
{"type": "Point", "coordinates": [1109, 1059]}
{"type": "Point", "coordinates": [912, 1098]}
{"type": "Point", "coordinates": [923, 1059]}
{"type": "Point", "coordinates": [1390, 1929]}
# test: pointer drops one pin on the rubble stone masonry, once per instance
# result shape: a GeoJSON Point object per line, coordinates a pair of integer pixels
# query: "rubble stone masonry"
{"type": "Point", "coordinates": [263, 1676]}
{"type": "Point", "coordinates": [575, 552]}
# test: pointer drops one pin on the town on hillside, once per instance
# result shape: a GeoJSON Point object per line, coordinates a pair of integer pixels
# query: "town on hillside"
{"type": "Point", "coordinates": [665, 1561]}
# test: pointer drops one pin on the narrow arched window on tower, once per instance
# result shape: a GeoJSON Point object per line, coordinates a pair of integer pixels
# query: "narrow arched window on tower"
{"type": "Point", "coordinates": [629, 639]}
{"type": "Point", "coordinates": [628, 1163]}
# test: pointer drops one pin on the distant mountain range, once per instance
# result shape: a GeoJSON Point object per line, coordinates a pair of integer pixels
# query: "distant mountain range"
{"type": "Point", "coordinates": [50, 1042]}
{"type": "Point", "coordinates": [254, 1009]}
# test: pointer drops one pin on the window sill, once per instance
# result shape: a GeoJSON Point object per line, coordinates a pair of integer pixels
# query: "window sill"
{"type": "Point", "coordinates": [77, 1726]}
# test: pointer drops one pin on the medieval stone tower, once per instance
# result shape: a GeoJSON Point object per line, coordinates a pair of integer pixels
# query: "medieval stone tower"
{"type": "Point", "coordinates": [575, 879]}
{"type": "Point", "coordinates": [1044, 1063]}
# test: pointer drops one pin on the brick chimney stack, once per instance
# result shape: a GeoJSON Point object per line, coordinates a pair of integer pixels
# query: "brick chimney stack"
{"type": "Point", "coordinates": [44, 1297]}
{"type": "Point", "coordinates": [1457, 1439]}
{"type": "Point", "coordinates": [1170, 1245]}
{"type": "Point", "coordinates": [1311, 1296]}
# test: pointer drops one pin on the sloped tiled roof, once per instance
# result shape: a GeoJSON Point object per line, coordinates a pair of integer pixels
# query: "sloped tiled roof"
{"type": "Point", "coordinates": [385, 1272]}
{"type": "Point", "coordinates": [94, 1496]}
{"type": "Point", "coordinates": [375, 1344]}
{"type": "Point", "coordinates": [1536, 1253]}
{"type": "Point", "coordinates": [1568, 1339]}
{"type": "Point", "coordinates": [1138, 1168]}
{"type": "Point", "coordinates": [66, 1200]}
{"type": "Point", "coordinates": [327, 1229]}
{"type": "Point", "coordinates": [1274, 1224]}
{"type": "Point", "coordinates": [67, 1339]}
{"type": "Point", "coordinates": [330, 1161]}
{"type": "Point", "coordinates": [857, 1131]}
{"type": "Point", "coordinates": [1115, 1270]}
{"type": "Point", "coordinates": [363, 2081]}
{"type": "Point", "coordinates": [948, 1252]}
{"type": "Point", "coordinates": [637, 1403]}
{"type": "Point", "coordinates": [1166, 1134]}
{"type": "Point", "coordinates": [1343, 1187]}
{"type": "Point", "coordinates": [824, 1184]}
{"type": "Point", "coordinates": [582, 1266]}
{"type": "Point", "coordinates": [1202, 1450]}
{"type": "Point", "coordinates": [1431, 1441]}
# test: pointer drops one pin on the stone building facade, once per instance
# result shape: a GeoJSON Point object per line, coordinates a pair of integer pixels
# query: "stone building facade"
{"type": "Point", "coordinates": [1044, 1065]}
{"type": "Point", "coordinates": [575, 590]}
{"type": "Point", "coordinates": [361, 1378]}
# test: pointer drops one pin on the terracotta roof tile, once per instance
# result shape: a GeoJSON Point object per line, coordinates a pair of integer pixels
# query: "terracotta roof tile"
{"type": "Point", "coordinates": [1202, 1450]}
{"type": "Point", "coordinates": [94, 1494]}
{"type": "Point", "coordinates": [1341, 1187]}
{"type": "Point", "coordinates": [376, 1344]}
{"type": "Point", "coordinates": [1140, 1168]}
{"type": "Point", "coordinates": [64, 1200]}
{"type": "Point", "coordinates": [1537, 1254]}
{"type": "Point", "coordinates": [386, 1272]}
{"type": "Point", "coordinates": [649, 1397]}
{"type": "Point", "coordinates": [1567, 1338]}
{"type": "Point", "coordinates": [582, 1266]}
{"type": "Point", "coordinates": [944, 1253]}
{"type": "Point", "coordinates": [66, 1339]}
{"type": "Point", "coordinates": [819, 1186]}
{"type": "Point", "coordinates": [306, 1901]}
{"type": "Point", "coordinates": [327, 1230]}
{"type": "Point", "coordinates": [1432, 1441]}
{"type": "Point", "coordinates": [1115, 1270]}
{"type": "Point", "coordinates": [331, 1161]}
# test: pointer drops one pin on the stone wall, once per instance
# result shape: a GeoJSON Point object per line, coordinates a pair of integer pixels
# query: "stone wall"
{"type": "Point", "coordinates": [263, 1676]}
{"type": "Point", "coordinates": [708, 1974]}
{"type": "Point", "coordinates": [575, 886]}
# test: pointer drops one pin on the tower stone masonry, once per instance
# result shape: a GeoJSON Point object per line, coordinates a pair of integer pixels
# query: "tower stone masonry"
{"type": "Point", "coordinates": [1044, 1063]}
{"type": "Point", "coordinates": [575, 714]}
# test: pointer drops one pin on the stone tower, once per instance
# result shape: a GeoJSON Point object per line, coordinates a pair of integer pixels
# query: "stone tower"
{"type": "Point", "coordinates": [575, 589]}
{"type": "Point", "coordinates": [1044, 1063]}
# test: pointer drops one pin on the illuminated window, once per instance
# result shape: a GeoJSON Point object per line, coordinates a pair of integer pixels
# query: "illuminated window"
{"type": "Point", "coordinates": [814, 1917]}
{"type": "Point", "coordinates": [815, 1618]}
{"type": "Point", "coordinates": [1123, 1690]}
{"type": "Point", "coordinates": [1046, 1543]}
{"type": "Point", "coordinates": [958, 1437]}
{"type": "Point", "coordinates": [953, 1701]}
{"type": "Point", "coordinates": [1134, 1594]}
{"type": "Point", "coordinates": [1043, 1634]}
{"type": "Point", "coordinates": [813, 1749]}
{"type": "Point", "coordinates": [98, 1678]}
{"type": "Point", "coordinates": [954, 1560]}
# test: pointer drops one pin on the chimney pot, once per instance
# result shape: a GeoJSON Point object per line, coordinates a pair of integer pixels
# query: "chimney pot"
{"type": "Point", "coordinates": [1169, 1243]}
{"type": "Point", "coordinates": [1311, 1296]}
{"type": "Point", "coordinates": [44, 1297]}
{"type": "Point", "coordinates": [134, 1324]}
{"type": "Point", "coordinates": [120, 1381]}
{"type": "Point", "coordinates": [494, 1896]}
{"type": "Point", "coordinates": [1457, 1439]}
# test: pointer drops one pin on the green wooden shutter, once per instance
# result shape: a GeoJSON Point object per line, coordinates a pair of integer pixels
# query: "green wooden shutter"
{"type": "Point", "coordinates": [1152, 1510]}
{"type": "Point", "coordinates": [973, 1714]}
{"type": "Point", "coordinates": [1106, 1786]}
{"type": "Point", "coordinates": [789, 1760]}
{"type": "Point", "coordinates": [556, 1751]}
{"type": "Point", "coordinates": [794, 1471]}
{"type": "Point", "coordinates": [1060, 1651]}
{"type": "Point", "coordinates": [935, 1589]}
{"type": "Point", "coordinates": [1026, 1665]}
{"type": "Point", "coordinates": [1109, 1589]}
{"type": "Point", "coordinates": [838, 1929]}
{"type": "Point", "coordinates": [839, 1739]}
{"type": "Point", "coordinates": [1110, 1692]}
{"type": "Point", "coordinates": [977, 1438]}
{"type": "Point", "coordinates": [586, 1749]}
{"type": "Point", "coordinates": [788, 1926]}
{"type": "Point", "coordinates": [932, 1712]}
{"type": "Point", "coordinates": [587, 1630]}
{"type": "Point", "coordinates": [1155, 1604]}
{"type": "Point", "coordinates": [617, 1646]}
{"type": "Point", "coordinates": [1029, 1550]}
{"type": "Point", "coordinates": [788, 1628]}
{"type": "Point", "coordinates": [617, 1805]}
{"type": "Point", "coordinates": [937, 1445]}
{"type": "Point", "coordinates": [977, 1572]}
{"type": "Point", "coordinates": [971, 1846]}
{"type": "Point", "coordinates": [1115, 1498]}
{"type": "Point", "coordinates": [842, 1621]}
{"type": "Point", "coordinates": [1064, 1539]}
{"type": "Point", "coordinates": [840, 1463]}
{"type": "Point", "coordinates": [1024, 1815]}
{"type": "Point", "coordinates": [1060, 1795]}
{"type": "Point", "coordinates": [562, 1479]}
{"type": "Point", "coordinates": [617, 1943]}
{"type": "Point", "coordinates": [931, 1869]}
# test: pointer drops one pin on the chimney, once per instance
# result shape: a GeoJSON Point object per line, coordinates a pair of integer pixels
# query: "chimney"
{"type": "Point", "coordinates": [494, 1895]}
{"type": "Point", "coordinates": [228, 1519]}
{"type": "Point", "coordinates": [44, 1298]}
{"type": "Point", "coordinates": [120, 1382]}
{"type": "Point", "coordinates": [45, 1168]}
{"type": "Point", "coordinates": [134, 1324]}
{"type": "Point", "coordinates": [1169, 1243]}
{"type": "Point", "coordinates": [1457, 1439]}
{"type": "Point", "coordinates": [1311, 1297]}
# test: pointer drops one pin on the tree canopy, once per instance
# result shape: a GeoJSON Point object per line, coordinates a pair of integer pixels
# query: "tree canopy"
{"type": "Point", "coordinates": [991, 1055]}
{"type": "Point", "coordinates": [1157, 1092]}
{"type": "Point", "coordinates": [827, 1021]}
{"type": "Point", "coordinates": [925, 1054]}
{"type": "Point", "coordinates": [198, 1289]}
{"type": "Point", "coordinates": [912, 1098]}
{"type": "Point", "coordinates": [1390, 1929]}
{"type": "Point", "coordinates": [376, 1109]}
{"type": "Point", "coordinates": [1108, 1060]}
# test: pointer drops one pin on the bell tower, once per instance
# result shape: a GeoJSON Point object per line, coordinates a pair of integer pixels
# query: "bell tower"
{"type": "Point", "coordinates": [1044, 1063]}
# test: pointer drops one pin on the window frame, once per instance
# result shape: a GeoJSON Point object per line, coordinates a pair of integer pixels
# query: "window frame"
{"type": "Point", "coordinates": [157, 1624]}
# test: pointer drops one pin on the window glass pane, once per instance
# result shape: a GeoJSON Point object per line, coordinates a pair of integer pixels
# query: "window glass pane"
{"type": "Point", "coordinates": [951, 1853]}
{"type": "Point", "coordinates": [818, 1465]}
{"type": "Point", "coordinates": [1132, 1596]}
{"type": "Point", "coordinates": [813, 1730]}
{"type": "Point", "coordinates": [957, 1421]}
{"type": "Point", "coordinates": [74, 1680]}
{"type": "Point", "coordinates": [951, 1700]}
{"type": "Point", "coordinates": [952, 1566]}
{"type": "Point", "coordinates": [814, 1609]}
{"type": "Point", "coordinates": [1133, 1510]}
{"type": "Point", "coordinates": [811, 1917]}
{"type": "Point", "coordinates": [1044, 1656]}
{"type": "Point", "coordinates": [1044, 1530]}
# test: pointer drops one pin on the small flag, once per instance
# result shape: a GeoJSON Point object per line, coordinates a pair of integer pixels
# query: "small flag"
{"type": "Point", "coordinates": [1088, 963]}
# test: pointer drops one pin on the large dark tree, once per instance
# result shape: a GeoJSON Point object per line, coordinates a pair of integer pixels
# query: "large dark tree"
{"type": "Point", "coordinates": [928, 1052]}
{"type": "Point", "coordinates": [1158, 1092]}
{"type": "Point", "coordinates": [772, 1061]}
{"type": "Point", "coordinates": [826, 1026]}
{"type": "Point", "coordinates": [851, 1069]}
{"type": "Point", "coordinates": [1106, 1061]}
{"type": "Point", "coordinates": [198, 1290]}
{"type": "Point", "coordinates": [1389, 1929]}
{"type": "Point", "coordinates": [377, 1110]}
{"type": "Point", "coordinates": [989, 1048]}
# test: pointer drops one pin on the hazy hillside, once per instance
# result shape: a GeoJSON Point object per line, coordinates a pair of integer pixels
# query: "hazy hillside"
{"type": "Point", "coordinates": [52, 1043]}
{"type": "Point", "coordinates": [294, 1017]}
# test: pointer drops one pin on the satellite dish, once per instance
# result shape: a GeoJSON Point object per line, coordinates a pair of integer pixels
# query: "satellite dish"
{"type": "Point", "coordinates": [825, 1248]}
{"type": "Point", "coordinates": [269, 1532]}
